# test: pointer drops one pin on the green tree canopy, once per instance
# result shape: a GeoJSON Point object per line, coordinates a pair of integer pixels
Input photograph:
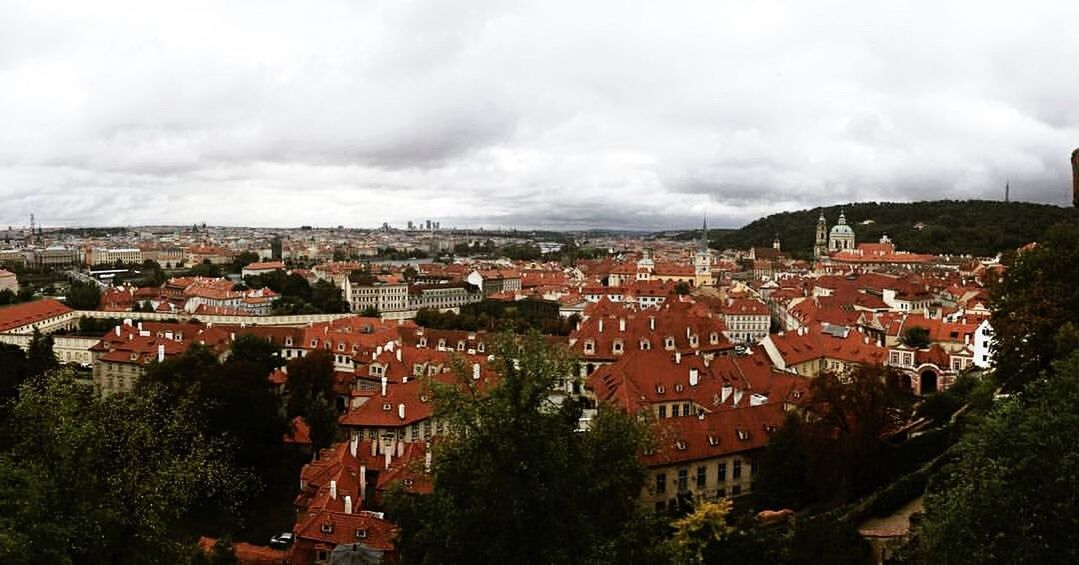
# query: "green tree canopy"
{"type": "Point", "coordinates": [1011, 494]}
{"type": "Point", "coordinates": [1033, 305]}
{"type": "Point", "coordinates": [105, 480]}
{"type": "Point", "coordinates": [516, 482]}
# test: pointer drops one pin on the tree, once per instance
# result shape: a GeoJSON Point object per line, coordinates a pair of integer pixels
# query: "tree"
{"type": "Point", "coordinates": [579, 489]}
{"type": "Point", "coordinates": [40, 358]}
{"type": "Point", "coordinates": [1033, 303]}
{"type": "Point", "coordinates": [370, 312]}
{"type": "Point", "coordinates": [83, 296]}
{"type": "Point", "coordinates": [309, 377]}
{"type": "Point", "coordinates": [704, 526]}
{"type": "Point", "coordinates": [1009, 494]}
{"type": "Point", "coordinates": [916, 337]}
{"type": "Point", "coordinates": [782, 477]}
{"type": "Point", "coordinates": [105, 480]}
{"type": "Point", "coordinates": [682, 288]}
{"type": "Point", "coordinates": [846, 456]}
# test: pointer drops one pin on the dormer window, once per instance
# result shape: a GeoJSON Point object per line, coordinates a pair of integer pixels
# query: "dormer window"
{"type": "Point", "coordinates": [314, 343]}
{"type": "Point", "coordinates": [442, 344]}
{"type": "Point", "coordinates": [480, 347]}
{"type": "Point", "coordinates": [617, 346]}
{"type": "Point", "coordinates": [409, 483]}
{"type": "Point", "coordinates": [660, 389]}
{"type": "Point", "coordinates": [693, 341]}
{"type": "Point", "coordinates": [460, 345]}
{"type": "Point", "coordinates": [713, 440]}
{"type": "Point", "coordinates": [340, 347]}
{"type": "Point", "coordinates": [361, 533]}
{"type": "Point", "coordinates": [668, 343]}
{"type": "Point", "coordinates": [680, 445]}
{"type": "Point", "coordinates": [589, 346]}
{"type": "Point", "coordinates": [288, 342]}
{"type": "Point", "coordinates": [713, 338]}
{"type": "Point", "coordinates": [326, 528]}
{"type": "Point", "coordinates": [743, 435]}
{"type": "Point", "coordinates": [386, 406]}
{"type": "Point", "coordinates": [423, 342]}
{"type": "Point", "coordinates": [645, 345]}
{"type": "Point", "coordinates": [678, 387]}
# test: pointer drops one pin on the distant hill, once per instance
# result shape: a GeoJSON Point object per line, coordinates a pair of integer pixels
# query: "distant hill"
{"type": "Point", "coordinates": [976, 227]}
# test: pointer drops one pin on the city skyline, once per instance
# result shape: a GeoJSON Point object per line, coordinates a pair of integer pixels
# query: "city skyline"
{"type": "Point", "coordinates": [618, 116]}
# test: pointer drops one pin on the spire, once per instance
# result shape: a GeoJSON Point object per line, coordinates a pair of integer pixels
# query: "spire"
{"type": "Point", "coordinates": [842, 217]}
{"type": "Point", "coordinates": [1007, 189]}
{"type": "Point", "coordinates": [704, 234]}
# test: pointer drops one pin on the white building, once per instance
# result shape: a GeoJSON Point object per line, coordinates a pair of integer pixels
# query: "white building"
{"type": "Point", "coordinates": [983, 345]}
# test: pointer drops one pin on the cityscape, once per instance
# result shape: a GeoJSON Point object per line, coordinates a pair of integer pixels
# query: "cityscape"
{"type": "Point", "coordinates": [360, 283]}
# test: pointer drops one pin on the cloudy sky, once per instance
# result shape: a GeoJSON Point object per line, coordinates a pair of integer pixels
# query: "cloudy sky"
{"type": "Point", "coordinates": [603, 113]}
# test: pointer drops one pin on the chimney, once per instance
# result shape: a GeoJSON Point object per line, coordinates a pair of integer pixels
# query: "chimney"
{"type": "Point", "coordinates": [140, 326]}
{"type": "Point", "coordinates": [232, 336]}
{"type": "Point", "coordinates": [160, 353]}
{"type": "Point", "coordinates": [352, 445]}
{"type": "Point", "coordinates": [398, 355]}
{"type": "Point", "coordinates": [401, 411]}
{"type": "Point", "coordinates": [374, 448]}
{"type": "Point", "coordinates": [677, 357]}
{"type": "Point", "coordinates": [652, 323]}
{"type": "Point", "coordinates": [388, 457]}
{"type": "Point", "coordinates": [725, 393]}
{"type": "Point", "coordinates": [621, 324]}
{"type": "Point", "coordinates": [737, 396]}
{"type": "Point", "coordinates": [117, 331]}
{"type": "Point", "coordinates": [400, 448]}
{"type": "Point", "coordinates": [127, 321]}
{"type": "Point", "coordinates": [475, 371]}
{"type": "Point", "coordinates": [333, 490]}
{"type": "Point", "coordinates": [694, 377]}
{"type": "Point", "coordinates": [363, 481]}
{"type": "Point", "coordinates": [601, 325]}
{"type": "Point", "coordinates": [384, 383]}
{"type": "Point", "coordinates": [427, 461]}
{"type": "Point", "coordinates": [348, 504]}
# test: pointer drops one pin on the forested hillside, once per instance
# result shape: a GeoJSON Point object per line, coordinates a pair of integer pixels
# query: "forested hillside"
{"type": "Point", "coordinates": [976, 227]}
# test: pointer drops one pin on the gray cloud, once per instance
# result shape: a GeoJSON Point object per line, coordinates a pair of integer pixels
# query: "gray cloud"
{"type": "Point", "coordinates": [554, 114]}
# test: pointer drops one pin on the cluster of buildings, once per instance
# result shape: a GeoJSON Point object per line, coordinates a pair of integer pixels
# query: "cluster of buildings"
{"type": "Point", "coordinates": [716, 349]}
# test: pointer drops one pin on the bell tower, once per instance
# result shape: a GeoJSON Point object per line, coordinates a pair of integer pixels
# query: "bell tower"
{"type": "Point", "coordinates": [820, 247]}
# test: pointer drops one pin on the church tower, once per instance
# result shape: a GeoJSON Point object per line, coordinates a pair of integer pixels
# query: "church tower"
{"type": "Point", "coordinates": [820, 248]}
{"type": "Point", "coordinates": [702, 261]}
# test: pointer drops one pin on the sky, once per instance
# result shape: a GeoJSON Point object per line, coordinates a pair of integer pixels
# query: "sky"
{"type": "Point", "coordinates": [553, 114]}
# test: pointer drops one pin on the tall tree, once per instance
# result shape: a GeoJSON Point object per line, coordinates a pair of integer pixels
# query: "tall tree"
{"type": "Point", "coordinates": [1011, 494]}
{"type": "Point", "coordinates": [1037, 297]}
{"type": "Point", "coordinates": [515, 482]}
{"type": "Point", "coordinates": [40, 358]}
{"type": "Point", "coordinates": [83, 296]}
{"type": "Point", "coordinates": [105, 480]}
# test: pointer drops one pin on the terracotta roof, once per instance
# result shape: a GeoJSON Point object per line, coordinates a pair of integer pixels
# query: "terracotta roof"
{"type": "Point", "coordinates": [30, 313]}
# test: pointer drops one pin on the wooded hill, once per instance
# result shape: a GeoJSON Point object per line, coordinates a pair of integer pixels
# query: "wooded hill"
{"type": "Point", "coordinates": [975, 227]}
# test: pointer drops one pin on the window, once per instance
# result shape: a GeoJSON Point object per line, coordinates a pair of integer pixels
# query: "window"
{"type": "Point", "coordinates": [617, 347]}
{"type": "Point", "coordinates": [662, 410]}
{"type": "Point", "coordinates": [722, 474]}
{"type": "Point", "coordinates": [737, 472]}
{"type": "Point", "coordinates": [326, 528]}
{"type": "Point", "coordinates": [661, 483]}
{"type": "Point", "coordinates": [721, 492]}
{"type": "Point", "coordinates": [361, 533]}
{"type": "Point", "coordinates": [701, 477]}
{"type": "Point", "coordinates": [589, 346]}
{"type": "Point", "coordinates": [683, 480]}
{"type": "Point", "coordinates": [685, 409]}
{"type": "Point", "coordinates": [323, 555]}
{"type": "Point", "coordinates": [680, 445]}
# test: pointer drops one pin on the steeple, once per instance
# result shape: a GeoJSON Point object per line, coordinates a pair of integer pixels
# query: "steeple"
{"type": "Point", "coordinates": [704, 234]}
{"type": "Point", "coordinates": [1007, 190]}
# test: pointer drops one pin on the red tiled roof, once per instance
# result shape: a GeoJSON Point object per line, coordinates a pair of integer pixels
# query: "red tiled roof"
{"type": "Point", "coordinates": [30, 313]}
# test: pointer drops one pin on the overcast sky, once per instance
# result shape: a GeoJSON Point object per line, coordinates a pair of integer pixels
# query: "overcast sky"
{"type": "Point", "coordinates": [557, 114]}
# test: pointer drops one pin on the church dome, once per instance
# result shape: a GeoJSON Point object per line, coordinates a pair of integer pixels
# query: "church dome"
{"type": "Point", "coordinates": [842, 229]}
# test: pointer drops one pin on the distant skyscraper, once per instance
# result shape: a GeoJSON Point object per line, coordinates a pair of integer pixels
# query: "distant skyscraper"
{"type": "Point", "coordinates": [428, 225]}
